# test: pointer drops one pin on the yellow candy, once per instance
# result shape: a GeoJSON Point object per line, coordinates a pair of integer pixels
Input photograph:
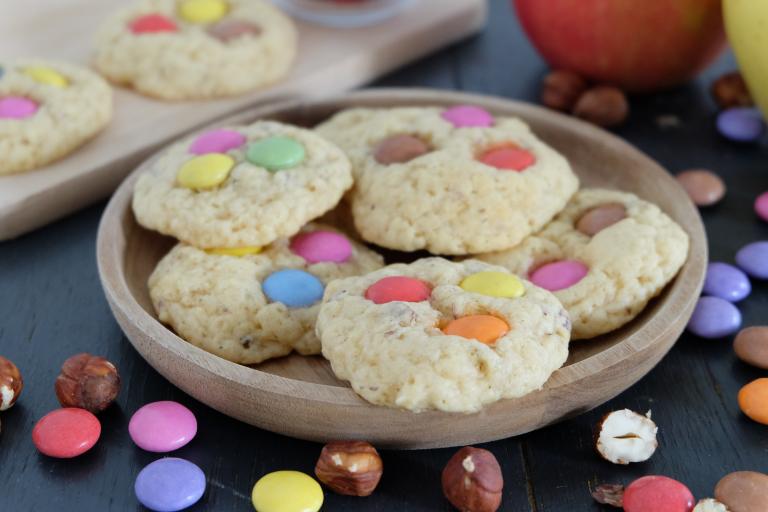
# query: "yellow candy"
{"type": "Point", "coordinates": [494, 284]}
{"type": "Point", "coordinates": [287, 491]}
{"type": "Point", "coordinates": [47, 76]}
{"type": "Point", "coordinates": [202, 11]}
{"type": "Point", "coordinates": [234, 251]}
{"type": "Point", "coordinates": [206, 171]}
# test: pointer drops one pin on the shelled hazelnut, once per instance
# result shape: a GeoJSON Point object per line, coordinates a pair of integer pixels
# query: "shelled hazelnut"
{"type": "Point", "coordinates": [472, 480]}
{"type": "Point", "coordinates": [88, 382]}
{"type": "Point", "coordinates": [11, 383]}
{"type": "Point", "coordinates": [561, 89]}
{"type": "Point", "coordinates": [603, 105]}
{"type": "Point", "coordinates": [730, 91]}
{"type": "Point", "coordinates": [353, 468]}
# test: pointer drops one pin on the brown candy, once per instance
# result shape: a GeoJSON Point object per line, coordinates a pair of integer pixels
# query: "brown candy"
{"type": "Point", "coordinates": [230, 29]}
{"type": "Point", "coordinates": [600, 217]}
{"type": "Point", "coordinates": [751, 346]}
{"type": "Point", "coordinates": [705, 188]}
{"type": "Point", "coordinates": [743, 491]}
{"type": "Point", "coordinates": [399, 149]}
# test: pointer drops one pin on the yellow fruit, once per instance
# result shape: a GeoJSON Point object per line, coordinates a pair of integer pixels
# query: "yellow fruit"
{"type": "Point", "coordinates": [745, 22]}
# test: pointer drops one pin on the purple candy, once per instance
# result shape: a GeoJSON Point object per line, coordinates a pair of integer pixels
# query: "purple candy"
{"type": "Point", "coordinates": [216, 141]}
{"type": "Point", "coordinates": [727, 282]}
{"type": "Point", "coordinates": [741, 124]}
{"type": "Point", "coordinates": [463, 116]}
{"type": "Point", "coordinates": [753, 259]}
{"type": "Point", "coordinates": [170, 484]}
{"type": "Point", "coordinates": [714, 317]}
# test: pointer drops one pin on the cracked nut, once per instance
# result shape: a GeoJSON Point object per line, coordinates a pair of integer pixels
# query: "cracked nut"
{"type": "Point", "coordinates": [11, 383]}
{"type": "Point", "coordinates": [730, 91]}
{"type": "Point", "coordinates": [561, 89]}
{"type": "Point", "coordinates": [472, 480]}
{"type": "Point", "coordinates": [604, 106]}
{"type": "Point", "coordinates": [710, 505]}
{"type": "Point", "coordinates": [88, 382]}
{"type": "Point", "coordinates": [352, 468]}
{"type": "Point", "coordinates": [625, 436]}
{"type": "Point", "coordinates": [609, 494]}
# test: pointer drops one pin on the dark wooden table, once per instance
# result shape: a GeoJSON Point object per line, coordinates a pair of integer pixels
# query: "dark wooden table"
{"type": "Point", "coordinates": [52, 306]}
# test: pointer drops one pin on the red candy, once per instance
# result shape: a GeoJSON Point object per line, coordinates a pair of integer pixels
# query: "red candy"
{"type": "Point", "coordinates": [657, 494]}
{"type": "Point", "coordinates": [152, 23]}
{"type": "Point", "coordinates": [66, 433]}
{"type": "Point", "coordinates": [510, 158]}
{"type": "Point", "coordinates": [398, 288]}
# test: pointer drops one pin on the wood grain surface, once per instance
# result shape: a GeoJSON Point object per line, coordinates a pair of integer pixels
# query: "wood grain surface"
{"type": "Point", "coordinates": [52, 306]}
{"type": "Point", "coordinates": [329, 61]}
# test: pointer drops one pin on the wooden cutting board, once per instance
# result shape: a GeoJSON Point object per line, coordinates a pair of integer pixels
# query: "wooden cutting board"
{"type": "Point", "coordinates": [330, 61]}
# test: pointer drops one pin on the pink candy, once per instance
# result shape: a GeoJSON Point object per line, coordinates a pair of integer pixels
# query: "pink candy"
{"type": "Point", "coordinates": [761, 206]}
{"type": "Point", "coordinates": [320, 246]}
{"type": "Point", "coordinates": [559, 274]}
{"type": "Point", "coordinates": [16, 107]}
{"type": "Point", "coordinates": [217, 141]}
{"type": "Point", "coordinates": [463, 116]}
{"type": "Point", "coordinates": [659, 494]}
{"type": "Point", "coordinates": [162, 426]}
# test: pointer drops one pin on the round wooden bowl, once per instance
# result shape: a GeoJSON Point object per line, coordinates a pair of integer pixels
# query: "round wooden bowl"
{"type": "Point", "coordinates": [300, 397]}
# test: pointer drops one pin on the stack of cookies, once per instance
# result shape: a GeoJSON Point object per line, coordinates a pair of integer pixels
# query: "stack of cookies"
{"type": "Point", "coordinates": [526, 263]}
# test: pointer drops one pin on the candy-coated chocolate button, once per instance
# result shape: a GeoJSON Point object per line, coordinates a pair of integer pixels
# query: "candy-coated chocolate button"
{"type": "Point", "coordinates": [47, 76]}
{"type": "Point", "coordinates": [152, 23]}
{"type": "Point", "coordinates": [559, 274]}
{"type": "Point", "coordinates": [463, 116]}
{"type": "Point", "coordinates": [398, 288]}
{"type": "Point", "coordinates": [16, 107]}
{"type": "Point", "coordinates": [705, 188]}
{"type": "Point", "coordinates": [597, 219]}
{"type": "Point", "coordinates": [276, 153]}
{"type": "Point", "coordinates": [66, 433]}
{"type": "Point", "coordinates": [202, 11]}
{"type": "Point", "coordinates": [761, 206]}
{"type": "Point", "coordinates": [169, 485]}
{"type": "Point", "coordinates": [399, 149]}
{"type": "Point", "coordinates": [714, 317]}
{"type": "Point", "coordinates": [743, 491]}
{"type": "Point", "coordinates": [726, 281]}
{"type": "Point", "coordinates": [510, 158]}
{"type": "Point", "coordinates": [206, 171]}
{"type": "Point", "coordinates": [494, 284]}
{"type": "Point", "coordinates": [287, 491]}
{"type": "Point", "coordinates": [162, 426]}
{"type": "Point", "coordinates": [321, 246]}
{"type": "Point", "coordinates": [216, 141]}
{"type": "Point", "coordinates": [234, 251]}
{"type": "Point", "coordinates": [753, 400]}
{"type": "Point", "coordinates": [753, 259]}
{"type": "Point", "coordinates": [294, 288]}
{"type": "Point", "coordinates": [230, 29]}
{"type": "Point", "coordinates": [483, 328]}
{"type": "Point", "coordinates": [751, 346]}
{"type": "Point", "coordinates": [657, 494]}
{"type": "Point", "coordinates": [741, 124]}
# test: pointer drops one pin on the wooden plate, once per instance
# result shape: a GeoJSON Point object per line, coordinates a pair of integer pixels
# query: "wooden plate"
{"type": "Point", "coordinates": [300, 397]}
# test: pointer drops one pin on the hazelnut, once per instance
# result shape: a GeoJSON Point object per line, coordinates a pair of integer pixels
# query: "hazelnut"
{"type": "Point", "coordinates": [625, 436]}
{"type": "Point", "coordinates": [561, 89]}
{"type": "Point", "coordinates": [88, 382]}
{"type": "Point", "coordinates": [352, 468]}
{"type": "Point", "coordinates": [709, 505]}
{"type": "Point", "coordinates": [604, 106]}
{"type": "Point", "coordinates": [609, 494]}
{"type": "Point", "coordinates": [472, 480]}
{"type": "Point", "coordinates": [11, 383]}
{"type": "Point", "coordinates": [730, 91]}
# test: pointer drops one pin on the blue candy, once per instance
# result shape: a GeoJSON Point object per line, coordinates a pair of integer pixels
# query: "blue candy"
{"type": "Point", "coordinates": [170, 484]}
{"type": "Point", "coordinates": [294, 288]}
{"type": "Point", "coordinates": [753, 259]}
{"type": "Point", "coordinates": [727, 282]}
{"type": "Point", "coordinates": [741, 124]}
{"type": "Point", "coordinates": [714, 317]}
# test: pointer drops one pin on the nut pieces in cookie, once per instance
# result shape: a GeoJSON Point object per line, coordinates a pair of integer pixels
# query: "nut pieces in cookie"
{"type": "Point", "coordinates": [88, 382]}
{"type": "Point", "coordinates": [352, 468]}
{"type": "Point", "coordinates": [472, 480]}
{"type": "Point", "coordinates": [11, 383]}
{"type": "Point", "coordinates": [625, 436]}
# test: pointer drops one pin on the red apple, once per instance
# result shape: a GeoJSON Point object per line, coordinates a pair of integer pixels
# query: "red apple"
{"type": "Point", "coordinates": [639, 45]}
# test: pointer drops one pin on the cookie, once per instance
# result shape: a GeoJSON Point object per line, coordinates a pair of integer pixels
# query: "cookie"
{"type": "Point", "coordinates": [604, 257]}
{"type": "Point", "coordinates": [436, 334]}
{"type": "Point", "coordinates": [451, 181]}
{"type": "Point", "coordinates": [241, 186]}
{"type": "Point", "coordinates": [196, 49]}
{"type": "Point", "coordinates": [248, 306]}
{"type": "Point", "coordinates": [48, 109]}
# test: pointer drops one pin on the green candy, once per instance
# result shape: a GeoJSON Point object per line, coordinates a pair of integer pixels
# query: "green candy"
{"type": "Point", "coordinates": [276, 153]}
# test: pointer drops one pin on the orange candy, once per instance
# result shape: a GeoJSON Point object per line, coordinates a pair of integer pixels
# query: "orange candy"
{"type": "Point", "coordinates": [753, 400]}
{"type": "Point", "coordinates": [511, 158]}
{"type": "Point", "coordinates": [483, 328]}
